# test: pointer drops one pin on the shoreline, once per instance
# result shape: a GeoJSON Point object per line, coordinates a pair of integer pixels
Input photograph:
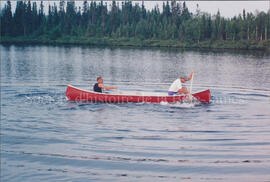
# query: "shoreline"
{"type": "Point", "coordinates": [149, 43]}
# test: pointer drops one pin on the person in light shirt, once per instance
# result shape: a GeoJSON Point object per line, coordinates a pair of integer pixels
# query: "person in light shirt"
{"type": "Point", "coordinates": [177, 88]}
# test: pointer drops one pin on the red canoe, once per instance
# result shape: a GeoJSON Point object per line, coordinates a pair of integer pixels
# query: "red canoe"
{"type": "Point", "coordinates": [76, 94]}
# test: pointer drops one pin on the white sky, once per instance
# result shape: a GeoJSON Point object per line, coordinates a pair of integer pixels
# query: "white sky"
{"type": "Point", "coordinates": [226, 8]}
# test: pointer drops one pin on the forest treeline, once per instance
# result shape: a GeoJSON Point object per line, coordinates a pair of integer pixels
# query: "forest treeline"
{"type": "Point", "coordinates": [133, 21]}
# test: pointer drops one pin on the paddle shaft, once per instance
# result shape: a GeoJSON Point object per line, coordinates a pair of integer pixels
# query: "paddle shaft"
{"type": "Point", "coordinates": [191, 82]}
{"type": "Point", "coordinates": [190, 90]}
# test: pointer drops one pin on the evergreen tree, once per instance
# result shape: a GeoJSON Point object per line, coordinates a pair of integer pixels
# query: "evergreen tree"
{"type": "Point", "coordinates": [6, 20]}
{"type": "Point", "coordinates": [19, 19]}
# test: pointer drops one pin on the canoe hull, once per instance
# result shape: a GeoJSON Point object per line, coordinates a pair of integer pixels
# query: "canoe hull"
{"type": "Point", "coordinates": [76, 94]}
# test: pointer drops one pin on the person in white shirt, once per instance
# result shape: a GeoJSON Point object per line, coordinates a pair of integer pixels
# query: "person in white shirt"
{"type": "Point", "coordinates": [177, 88]}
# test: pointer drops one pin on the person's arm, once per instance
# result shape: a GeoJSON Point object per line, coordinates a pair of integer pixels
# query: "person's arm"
{"type": "Point", "coordinates": [190, 76]}
{"type": "Point", "coordinates": [106, 87]}
{"type": "Point", "coordinates": [183, 90]}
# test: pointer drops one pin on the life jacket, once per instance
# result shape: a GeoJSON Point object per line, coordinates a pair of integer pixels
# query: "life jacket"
{"type": "Point", "coordinates": [96, 88]}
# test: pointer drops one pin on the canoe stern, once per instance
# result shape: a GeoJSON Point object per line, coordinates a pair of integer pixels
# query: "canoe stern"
{"type": "Point", "coordinates": [204, 96]}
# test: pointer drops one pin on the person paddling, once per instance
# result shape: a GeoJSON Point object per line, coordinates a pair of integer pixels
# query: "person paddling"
{"type": "Point", "coordinates": [177, 88]}
{"type": "Point", "coordinates": [99, 85]}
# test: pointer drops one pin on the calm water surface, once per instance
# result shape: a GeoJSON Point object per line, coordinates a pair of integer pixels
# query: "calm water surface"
{"type": "Point", "coordinates": [44, 137]}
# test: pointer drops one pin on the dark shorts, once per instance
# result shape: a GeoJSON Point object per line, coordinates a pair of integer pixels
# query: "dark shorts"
{"type": "Point", "coordinates": [172, 93]}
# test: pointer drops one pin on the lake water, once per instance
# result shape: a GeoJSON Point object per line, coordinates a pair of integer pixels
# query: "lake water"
{"type": "Point", "coordinates": [44, 137]}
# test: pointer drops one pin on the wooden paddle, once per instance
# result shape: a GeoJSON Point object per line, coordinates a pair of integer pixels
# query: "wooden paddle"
{"type": "Point", "coordinates": [191, 82]}
{"type": "Point", "coordinates": [190, 90]}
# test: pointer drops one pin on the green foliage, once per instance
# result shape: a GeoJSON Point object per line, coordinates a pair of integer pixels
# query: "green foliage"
{"type": "Point", "coordinates": [55, 33]}
{"type": "Point", "coordinates": [95, 21]}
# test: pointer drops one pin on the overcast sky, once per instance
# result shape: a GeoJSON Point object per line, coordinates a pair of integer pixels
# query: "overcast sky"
{"type": "Point", "coordinates": [226, 8]}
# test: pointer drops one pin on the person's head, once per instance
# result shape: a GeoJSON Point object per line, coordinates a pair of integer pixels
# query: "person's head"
{"type": "Point", "coordinates": [183, 79]}
{"type": "Point", "coordinates": [99, 79]}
